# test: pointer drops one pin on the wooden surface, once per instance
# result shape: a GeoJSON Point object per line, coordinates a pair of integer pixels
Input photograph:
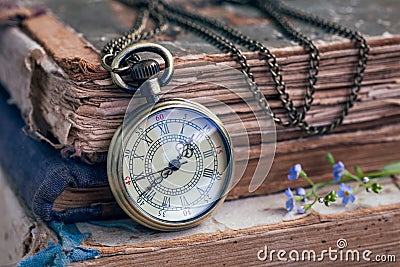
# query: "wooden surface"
{"type": "Point", "coordinates": [240, 228]}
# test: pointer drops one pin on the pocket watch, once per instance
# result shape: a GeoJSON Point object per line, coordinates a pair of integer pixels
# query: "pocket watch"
{"type": "Point", "coordinates": [170, 164]}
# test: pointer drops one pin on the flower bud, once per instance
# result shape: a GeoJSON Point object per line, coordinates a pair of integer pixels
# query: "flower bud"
{"type": "Point", "coordinates": [300, 191]}
{"type": "Point", "coordinates": [301, 210]}
{"type": "Point", "coordinates": [365, 180]}
{"type": "Point", "coordinates": [377, 188]}
{"type": "Point", "coordinates": [329, 158]}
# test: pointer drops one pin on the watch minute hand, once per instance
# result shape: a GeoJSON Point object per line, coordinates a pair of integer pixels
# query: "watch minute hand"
{"type": "Point", "coordinates": [187, 150]}
{"type": "Point", "coordinates": [167, 171]}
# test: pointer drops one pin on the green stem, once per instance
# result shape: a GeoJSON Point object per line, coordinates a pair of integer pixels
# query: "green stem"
{"type": "Point", "coordinates": [347, 177]}
{"type": "Point", "coordinates": [382, 174]}
{"type": "Point", "coordinates": [344, 180]}
{"type": "Point", "coordinates": [309, 180]}
{"type": "Point", "coordinates": [317, 186]}
{"type": "Point", "coordinates": [308, 206]}
{"type": "Point", "coordinates": [351, 176]}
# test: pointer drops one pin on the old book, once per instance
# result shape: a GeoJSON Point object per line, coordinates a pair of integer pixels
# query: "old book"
{"type": "Point", "coordinates": [69, 100]}
{"type": "Point", "coordinates": [40, 175]}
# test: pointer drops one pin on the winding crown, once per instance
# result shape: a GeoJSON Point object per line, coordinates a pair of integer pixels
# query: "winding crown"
{"type": "Point", "coordinates": [144, 69]}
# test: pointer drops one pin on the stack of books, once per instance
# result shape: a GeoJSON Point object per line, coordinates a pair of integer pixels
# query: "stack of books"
{"type": "Point", "coordinates": [70, 108]}
{"type": "Point", "coordinates": [68, 100]}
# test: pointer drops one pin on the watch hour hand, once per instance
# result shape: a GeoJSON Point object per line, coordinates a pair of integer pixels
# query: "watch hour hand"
{"type": "Point", "coordinates": [174, 165]}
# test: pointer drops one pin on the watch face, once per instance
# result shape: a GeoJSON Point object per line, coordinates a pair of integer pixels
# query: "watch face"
{"type": "Point", "coordinates": [176, 164]}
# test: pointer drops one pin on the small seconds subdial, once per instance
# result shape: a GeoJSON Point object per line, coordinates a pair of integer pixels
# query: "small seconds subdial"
{"type": "Point", "coordinates": [176, 164]}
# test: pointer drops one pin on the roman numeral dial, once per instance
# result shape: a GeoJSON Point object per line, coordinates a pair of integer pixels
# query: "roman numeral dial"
{"type": "Point", "coordinates": [174, 163]}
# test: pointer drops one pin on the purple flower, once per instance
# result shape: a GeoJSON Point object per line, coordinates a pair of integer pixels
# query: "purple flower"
{"type": "Point", "coordinates": [346, 193]}
{"type": "Point", "coordinates": [294, 172]}
{"type": "Point", "coordinates": [290, 201]}
{"type": "Point", "coordinates": [338, 171]}
{"type": "Point", "coordinates": [300, 191]}
{"type": "Point", "coordinates": [301, 210]}
{"type": "Point", "coordinates": [365, 180]}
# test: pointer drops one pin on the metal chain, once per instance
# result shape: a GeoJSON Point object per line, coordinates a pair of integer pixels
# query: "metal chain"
{"type": "Point", "coordinates": [135, 34]}
{"type": "Point", "coordinates": [270, 59]}
{"type": "Point", "coordinates": [252, 45]}
{"type": "Point", "coordinates": [117, 44]}
{"type": "Point", "coordinates": [274, 10]}
{"type": "Point", "coordinates": [363, 50]}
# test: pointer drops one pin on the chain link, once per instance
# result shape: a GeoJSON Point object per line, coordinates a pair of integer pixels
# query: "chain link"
{"type": "Point", "coordinates": [206, 27]}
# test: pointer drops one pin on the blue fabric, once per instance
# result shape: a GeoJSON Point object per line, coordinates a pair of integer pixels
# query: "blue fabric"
{"type": "Point", "coordinates": [66, 251]}
{"type": "Point", "coordinates": [43, 258]}
{"type": "Point", "coordinates": [39, 173]}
